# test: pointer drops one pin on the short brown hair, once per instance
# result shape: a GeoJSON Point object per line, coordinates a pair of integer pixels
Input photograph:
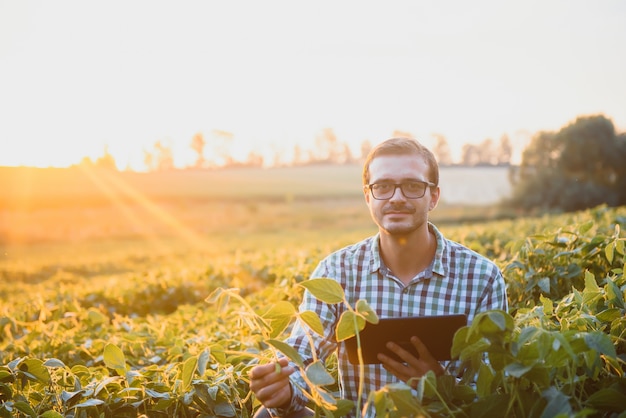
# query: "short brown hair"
{"type": "Point", "coordinates": [402, 146]}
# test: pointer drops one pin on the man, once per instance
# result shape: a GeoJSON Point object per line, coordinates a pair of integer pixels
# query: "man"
{"type": "Point", "coordinates": [407, 269]}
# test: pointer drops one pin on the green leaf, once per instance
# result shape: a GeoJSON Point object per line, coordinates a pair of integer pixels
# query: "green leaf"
{"type": "Point", "coordinates": [600, 342]}
{"type": "Point", "coordinates": [349, 325]}
{"type": "Point", "coordinates": [324, 399]}
{"type": "Point", "coordinates": [614, 294]}
{"type": "Point", "coordinates": [405, 403]}
{"type": "Point", "coordinates": [517, 369]}
{"type": "Point", "coordinates": [609, 251]}
{"type": "Point", "coordinates": [203, 360]}
{"type": "Point", "coordinates": [590, 282]}
{"type": "Point", "coordinates": [288, 351]}
{"type": "Point", "coordinates": [548, 307]}
{"type": "Point", "coordinates": [458, 342]}
{"type": "Point", "coordinates": [366, 311]}
{"type": "Point", "coordinates": [427, 385]}
{"type": "Point", "coordinates": [492, 322]}
{"type": "Point", "coordinates": [114, 358]}
{"type": "Point", "coordinates": [540, 376]}
{"type": "Point", "coordinates": [344, 407]}
{"type": "Point", "coordinates": [476, 348]}
{"type": "Point", "coordinates": [544, 284]}
{"type": "Point", "coordinates": [13, 365]}
{"type": "Point", "coordinates": [88, 403]}
{"type": "Point", "coordinates": [608, 399]}
{"type": "Point", "coordinates": [584, 228]}
{"type": "Point", "coordinates": [484, 381]}
{"type": "Point", "coordinates": [95, 317]}
{"type": "Point", "coordinates": [325, 290]}
{"type": "Point", "coordinates": [54, 363]}
{"type": "Point", "coordinates": [280, 309]}
{"type": "Point", "coordinates": [225, 409]}
{"type": "Point", "coordinates": [36, 368]}
{"type": "Point", "coordinates": [558, 403]}
{"type": "Point", "coordinates": [620, 245]}
{"type": "Point", "coordinates": [103, 383]}
{"type": "Point", "coordinates": [609, 315]}
{"type": "Point", "coordinates": [313, 321]}
{"type": "Point", "coordinates": [493, 405]}
{"type": "Point", "coordinates": [221, 298]}
{"type": "Point", "coordinates": [279, 315]}
{"type": "Point", "coordinates": [464, 393]}
{"type": "Point", "coordinates": [189, 368]}
{"type": "Point", "coordinates": [25, 408]}
{"type": "Point", "coordinates": [51, 414]}
{"type": "Point", "coordinates": [317, 373]}
{"type": "Point", "coordinates": [526, 334]}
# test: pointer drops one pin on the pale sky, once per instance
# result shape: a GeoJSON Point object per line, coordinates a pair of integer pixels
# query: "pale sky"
{"type": "Point", "coordinates": [76, 76]}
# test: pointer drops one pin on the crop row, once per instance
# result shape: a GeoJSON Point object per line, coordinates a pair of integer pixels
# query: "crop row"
{"type": "Point", "coordinates": [172, 342]}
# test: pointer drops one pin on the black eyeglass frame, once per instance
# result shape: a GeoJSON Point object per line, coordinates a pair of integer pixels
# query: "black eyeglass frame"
{"type": "Point", "coordinates": [426, 184]}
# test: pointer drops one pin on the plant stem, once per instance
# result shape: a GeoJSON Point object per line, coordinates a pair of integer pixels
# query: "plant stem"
{"type": "Point", "coordinates": [361, 367]}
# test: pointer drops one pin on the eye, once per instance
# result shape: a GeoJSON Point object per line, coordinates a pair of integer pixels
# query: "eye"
{"type": "Point", "coordinates": [382, 187]}
{"type": "Point", "coordinates": [413, 186]}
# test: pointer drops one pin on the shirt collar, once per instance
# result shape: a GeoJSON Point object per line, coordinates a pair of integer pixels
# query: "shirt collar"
{"type": "Point", "coordinates": [376, 262]}
{"type": "Point", "coordinates": [437, 264]}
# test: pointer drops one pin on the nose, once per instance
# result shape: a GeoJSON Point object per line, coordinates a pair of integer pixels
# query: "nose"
{"type": "Point", "coordinates": [397, 194]}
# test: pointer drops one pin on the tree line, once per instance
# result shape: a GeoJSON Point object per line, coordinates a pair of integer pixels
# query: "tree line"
{"type": "Point", "coordinates": [327, 149]}
{"type": "Point", "coordinates": [578, 167]}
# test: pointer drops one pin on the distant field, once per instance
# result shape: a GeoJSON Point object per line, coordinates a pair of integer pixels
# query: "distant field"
{"type": "Point", "coordinates": [75, 205]}
{"type": "Point", "coordinates": [28, 187]}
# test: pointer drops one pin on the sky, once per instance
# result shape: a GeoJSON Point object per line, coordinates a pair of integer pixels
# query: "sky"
{"type": "Point", "coordinates": [79, 77]}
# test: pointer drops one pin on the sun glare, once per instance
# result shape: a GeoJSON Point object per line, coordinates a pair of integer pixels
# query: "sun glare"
{"type": "Point", "coordinates": [140, 210]}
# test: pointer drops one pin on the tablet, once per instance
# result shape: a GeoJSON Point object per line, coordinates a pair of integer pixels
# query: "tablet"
{"type": "Point", "coordinates": [436, 332]}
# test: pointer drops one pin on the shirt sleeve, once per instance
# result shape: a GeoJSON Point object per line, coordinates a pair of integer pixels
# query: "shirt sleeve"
{"type": "Point", "coordinates": [494, 296]}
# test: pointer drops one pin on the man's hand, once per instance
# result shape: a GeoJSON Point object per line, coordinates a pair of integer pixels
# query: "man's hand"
{"type": "Point", "coordinates": [272, 388]}
{"type": "Point", "coordinates": [411, 367]}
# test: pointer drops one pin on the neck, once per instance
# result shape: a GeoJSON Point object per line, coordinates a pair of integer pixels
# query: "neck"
{"type": "Point", "coordinates": [408, 255]}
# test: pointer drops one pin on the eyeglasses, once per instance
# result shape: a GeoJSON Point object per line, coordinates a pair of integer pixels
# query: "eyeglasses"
{"type": "Point", "coordinates": [410, 189]}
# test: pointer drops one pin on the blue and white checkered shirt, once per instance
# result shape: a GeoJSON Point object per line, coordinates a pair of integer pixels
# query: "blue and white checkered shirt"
{"type": "Point", "coordinates": [458, 281]}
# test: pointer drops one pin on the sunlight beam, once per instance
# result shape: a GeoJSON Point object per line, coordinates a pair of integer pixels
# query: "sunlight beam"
{"type": "Point", "coordinates": [114, 187]}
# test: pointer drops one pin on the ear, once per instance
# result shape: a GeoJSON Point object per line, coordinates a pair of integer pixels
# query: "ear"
{"type": "Point", "coordinates": [435, 193]}
{"type": "Point", "coordinates": [366, 193]}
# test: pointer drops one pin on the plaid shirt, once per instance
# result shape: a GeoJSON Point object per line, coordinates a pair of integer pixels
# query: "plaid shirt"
{"type": "Point", "coordinates": [458, 280]}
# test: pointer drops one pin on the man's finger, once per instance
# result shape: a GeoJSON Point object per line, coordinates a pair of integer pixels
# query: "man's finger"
{"type": "Point", "coordinates": [403, 354]}
{"type": "Point", "coordinates": [258, 372]}
{"type": "Point", "coordinates": [422, 350]}
{"type": "Point", "coordinates": [426, 357]}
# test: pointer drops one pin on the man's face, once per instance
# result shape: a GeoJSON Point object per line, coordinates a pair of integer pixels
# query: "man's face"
{"type": "Point", "coordinates": [400, 215]}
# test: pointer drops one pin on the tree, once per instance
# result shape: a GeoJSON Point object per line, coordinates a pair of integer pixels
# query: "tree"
{"type": "Point", "coordinates": [366, 147]}
{"type": "Point", "coordinates": [160, 159]}
{"type": "Point", "coordinates": [164, 157]}
{"type": "Point", "coordinates": [197, 144]}
{"type": "Point", "coordinates": [148, 160]}
{"type": "Point", "coordinates": [487, 153]}
{"type": "Point", "coordinates": [329, 149]}
{"type": "Point", "coordinates": [505, 151]}
{"type": "Point", "coordinates": [298, 157]}
{"type": "Point", "coordinates": [578, 167]}
{"type": "Point", "coordinates": [470, 155]}
{"type": "Point", "coordinates": [442, 151]}
{"type": "Point", "coordinates": [222, 143]}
